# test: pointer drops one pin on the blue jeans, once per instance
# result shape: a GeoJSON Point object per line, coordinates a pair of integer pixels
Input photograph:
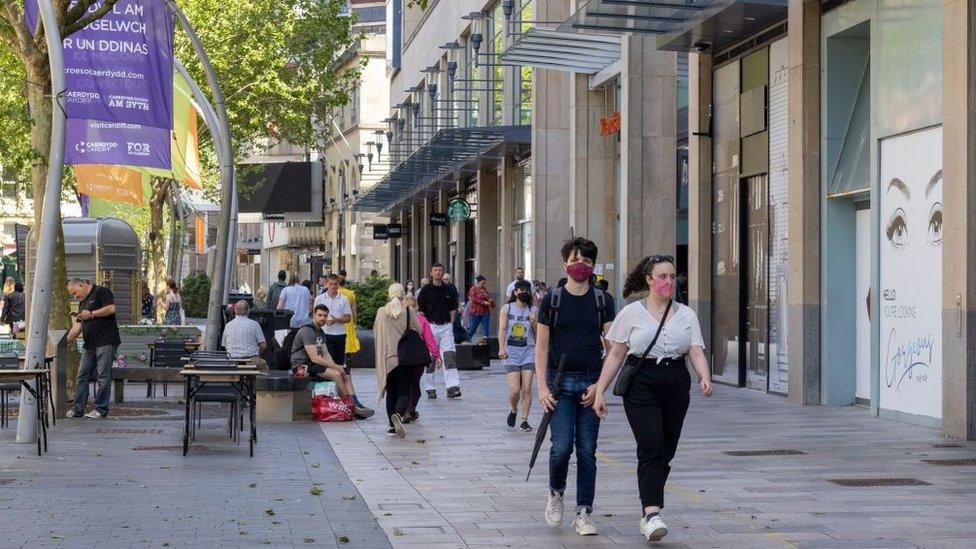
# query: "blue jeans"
{"type": "Point", "coordinates": [483, 320]}
{"type": "Point", "coordinates": [95, 362]}
{"type": "Point", "coordinates": [574, 423]}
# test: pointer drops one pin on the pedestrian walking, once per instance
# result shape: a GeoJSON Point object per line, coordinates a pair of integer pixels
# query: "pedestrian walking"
{"type": "Point", "coordinates": [148, 301]}
{"type": "Point", "coordinates": [8, 288]}
{"type": "Point", "coordinates": [297, 299]}
{"type": "Point", "coordinates": [439, 303]}
{"type": "Point", "coordinates": [541, 289]}
{"type": "Point", "coordinates": [352, 338]}
{"type": "Point", "coordinates": [395, 377]}
{"type": "Point", "coordinates": [409, 289]}
{"type": "Point", "coordinates": [572, 321]}
{"type": "Point", "coordinates": [435, 357]}
{"type": "Point", "coordinates": [310, 357]}
{"type": "Point", "coordinates": [480, 304]}
{"type": "Point", "coordinates": [13, 308]}
{"type": "Point", "coordinates": [274, 292]}
{"type": "Point", "coordinates": [261, 298]}
{"type": "Point", "coordinates": [516, 346]}
{"type": "Point", "coordinates": [340, 315]}
{"type": "Point", "coordinates": [519, 276]}
{"type": "Point", "coordinates": [173, 304]}
{"type": "Point", "coordinates": [655, 335]}
{"type": "Point", "coordinates": [97, 325]}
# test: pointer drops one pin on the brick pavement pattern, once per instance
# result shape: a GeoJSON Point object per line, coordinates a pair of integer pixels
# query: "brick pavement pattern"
{"type": "Point", "coordinates": [94, 489]}
{"type": "Point", "coordinates": [457, 480]}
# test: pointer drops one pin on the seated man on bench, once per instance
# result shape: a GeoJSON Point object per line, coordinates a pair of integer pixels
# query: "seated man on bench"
{"type": "Point", "coordinates": [243, 337]}
{"type": "Point", "coordinates": [310, 357]}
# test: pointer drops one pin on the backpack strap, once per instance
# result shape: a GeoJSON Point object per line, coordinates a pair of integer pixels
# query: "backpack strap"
{"type": "Point", "coordinates": [557, 295]}
{"type": "Point", "coordinates": [601, 302]}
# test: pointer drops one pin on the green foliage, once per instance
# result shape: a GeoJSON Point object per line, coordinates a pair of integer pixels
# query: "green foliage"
{"type": "Point", "coordinates": [196, 294]}
{"type": "Point", "coordinates": [15, 150]}
{"type": "Point", "coordinates": [370, 296]}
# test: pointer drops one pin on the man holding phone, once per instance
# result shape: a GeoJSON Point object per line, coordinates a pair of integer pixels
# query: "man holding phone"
{"type": "Point", "coordinates": [97, 325]}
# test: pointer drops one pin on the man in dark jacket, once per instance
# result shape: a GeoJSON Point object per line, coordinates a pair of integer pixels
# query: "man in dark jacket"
{"type": "Point", "coordinates": [13, 308]}
{"type": "Point", "coordinates": [274, 292]}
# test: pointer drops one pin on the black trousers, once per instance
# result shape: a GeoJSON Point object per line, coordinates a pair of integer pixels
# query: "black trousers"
{"type": "Point", "coordinates": [399, 385]}
{"type": "Point", "coordinates": [656, 404]}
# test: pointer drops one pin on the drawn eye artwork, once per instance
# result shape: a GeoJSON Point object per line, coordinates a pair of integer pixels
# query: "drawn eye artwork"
{"type": "Point", "coordinates": [935, 224]}
{"type": "Point", "coordinates": [897, 230]}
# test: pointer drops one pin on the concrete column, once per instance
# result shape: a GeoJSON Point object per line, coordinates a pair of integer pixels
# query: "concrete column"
{"type": "Point", "coordinates": [416, 243]}
{"type": "Point", "coordinates": [401, 217]}
{"type": "Point", "coordinates": [592, 198]}
{"type": "Point", "coordinates": [486, 241]}
{"type": "Point", "coordinates": [804, 191]}
{"type": "Point", "coordinates": [648, 152]}
{"type": "Point", "coordinates": [499, 278]}
{"type": "Point", "coordinates": [460, 247]}
{"type": "Point", "coordinates": [959, 210]}
{"type": "Point", "coordinates": [550, 158]}
{"type": "Point", "coordinates": [444, 234]}
{"type": "Point", "coordinates": [427, 240]}
{"type": "Point", "coordinates": [700, 189]}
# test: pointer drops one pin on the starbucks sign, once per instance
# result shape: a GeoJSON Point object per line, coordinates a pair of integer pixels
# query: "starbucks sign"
{"type": "Point", "coordinates": [458, 210]}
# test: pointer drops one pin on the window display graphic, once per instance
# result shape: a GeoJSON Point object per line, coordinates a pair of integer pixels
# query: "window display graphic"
{"type": "Point", "coordinates": [911, 272]}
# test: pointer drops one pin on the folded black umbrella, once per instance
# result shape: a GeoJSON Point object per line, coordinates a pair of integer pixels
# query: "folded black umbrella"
{"type": "Point", "coordinates": [540, 433]}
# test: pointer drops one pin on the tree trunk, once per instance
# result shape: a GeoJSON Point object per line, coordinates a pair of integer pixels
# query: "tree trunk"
{"type": "Point", "coordinates": [157, 256]}
{"type": "Point", "coordinates": [38, 100]}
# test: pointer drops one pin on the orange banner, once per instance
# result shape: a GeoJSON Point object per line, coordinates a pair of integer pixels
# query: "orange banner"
{"type": "Point", "coordinates": [201, 235]}
{"type": "Point", "coordinates": [193, 170]}
{"type": "Point", "coordinates": [116, 183]}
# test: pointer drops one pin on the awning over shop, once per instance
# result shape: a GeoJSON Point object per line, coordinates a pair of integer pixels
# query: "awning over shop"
{"type": "Point", "coordinates": [680, 25]}
{"type": "Point", "coordinates": [448, 151]}
{"type": "Point", "coordinates": [563, 50]}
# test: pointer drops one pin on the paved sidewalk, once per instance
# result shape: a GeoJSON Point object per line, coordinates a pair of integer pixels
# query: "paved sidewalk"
{"type": "Point", "coordinates": [457, 480]}
{"type": "Point", "coordinates": [122, 482]}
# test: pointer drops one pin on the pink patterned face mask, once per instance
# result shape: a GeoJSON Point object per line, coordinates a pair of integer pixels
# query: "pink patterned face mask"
{"type": "Point", "coordinates": [580, 272]}
{"type": "Point", "coordinates": [663, 287]}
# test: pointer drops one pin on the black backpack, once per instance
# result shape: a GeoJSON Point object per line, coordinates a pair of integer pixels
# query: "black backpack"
{"type": "Point", "coordinates": [599, 297]}
{"type": "Point", "coordinates": [411, 349]}
{"type": "Point", "coordinates": [283, 356]}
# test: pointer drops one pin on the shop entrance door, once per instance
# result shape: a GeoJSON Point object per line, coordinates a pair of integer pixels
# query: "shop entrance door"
{"type": "Point", "coordinates": [755, 292]}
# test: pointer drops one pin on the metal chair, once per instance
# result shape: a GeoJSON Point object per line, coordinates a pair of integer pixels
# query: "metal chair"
{"type": "Point", "coordinates": [8, 361]}
{"type": "Point", "coordinates": [217, 392]}
{"type": "Point", "coordinates": [166, 353]}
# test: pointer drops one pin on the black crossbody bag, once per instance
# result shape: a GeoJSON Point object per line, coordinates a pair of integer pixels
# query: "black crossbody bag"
{"type": "Point", "coordinates": [630, 367]}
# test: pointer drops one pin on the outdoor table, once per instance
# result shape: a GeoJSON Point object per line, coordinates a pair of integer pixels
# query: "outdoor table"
{"type": "Point", "coordinates": [244, 379]}
{"type": "Point", "coordinates": [40, 377]}
{"type": "Point", "coordinates": [48, 360]}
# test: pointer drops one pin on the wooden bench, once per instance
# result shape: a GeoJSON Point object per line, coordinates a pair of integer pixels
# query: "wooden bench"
{"type": "Point", "coordinates": [142, 374]}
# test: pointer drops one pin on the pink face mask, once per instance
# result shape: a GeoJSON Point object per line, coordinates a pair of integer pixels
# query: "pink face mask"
{"type": "Point", "coordinates": [663, 287]}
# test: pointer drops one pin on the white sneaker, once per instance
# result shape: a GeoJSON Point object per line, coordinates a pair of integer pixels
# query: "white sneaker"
{"type": "Point", "coordinates": [70, 413]}
{"type": "Point", "coordinates": [653, 529]}
{"type": "Point", "coordinates": [95, 414]}
{"type": "Point", "coordinates": [554, 509]}
{"type": "Point", "coordinates": [583, 525]}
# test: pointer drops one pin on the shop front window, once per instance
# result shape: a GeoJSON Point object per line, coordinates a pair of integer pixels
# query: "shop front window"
{"type": "Point", "coordinates": [523, 216]}
{"type": "Point", "coordinates": [523, 74]}
{"type": "Point", "coordinates": [496, 70]}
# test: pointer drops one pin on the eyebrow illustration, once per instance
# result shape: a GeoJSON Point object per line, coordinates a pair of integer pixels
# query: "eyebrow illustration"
{"type": "Point", "coordinates": [900, 185]}
{"type": "Point", "coordinates": [936, 179]}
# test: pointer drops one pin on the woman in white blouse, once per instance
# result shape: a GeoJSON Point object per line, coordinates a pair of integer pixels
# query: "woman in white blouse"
{"type": "Point", "coordinates": [658, 396]}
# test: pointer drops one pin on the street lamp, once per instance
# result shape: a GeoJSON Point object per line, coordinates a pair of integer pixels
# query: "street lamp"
{"type": "Point", "coordinates": [477, 19]}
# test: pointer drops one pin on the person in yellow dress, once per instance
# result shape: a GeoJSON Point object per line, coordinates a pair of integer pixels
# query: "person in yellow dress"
{"type": "Point", "coordinates": [352, 341]}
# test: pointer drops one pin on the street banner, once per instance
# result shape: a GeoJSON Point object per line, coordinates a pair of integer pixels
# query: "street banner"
{"type": "Point", "coordinates": [120, 67]}
{"type": "Point", "coordinates": [185, 145]}
{"type": "Point", "coordinates": [119, 143]}
{"type": "Point", "coordinates": [200, 235]}
{"type": "Point", "coordinates": [115, 183]}
{"type": "Point", "coordinates": [910, 175]}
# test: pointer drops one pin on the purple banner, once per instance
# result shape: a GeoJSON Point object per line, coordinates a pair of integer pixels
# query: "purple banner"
{"type": "Point", "coordinates": [97, 142]}
{"type": "Point", "coordinates": [120, 67]}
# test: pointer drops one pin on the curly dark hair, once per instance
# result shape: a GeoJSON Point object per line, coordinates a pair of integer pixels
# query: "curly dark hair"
{"type": "Point", "coordinates": [636, 281]}
{"type": "Point", "coordinates": [520, 285]}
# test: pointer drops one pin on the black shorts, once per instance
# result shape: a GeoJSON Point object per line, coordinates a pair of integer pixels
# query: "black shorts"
{"type": "Point", "coordinates": [336, 344]}
{"type": "Point", "coordinates": [311, 370]}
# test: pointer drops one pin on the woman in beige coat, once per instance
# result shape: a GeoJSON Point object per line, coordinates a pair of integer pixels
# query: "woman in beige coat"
{"type": "Point", "coordinates": [389, 326]}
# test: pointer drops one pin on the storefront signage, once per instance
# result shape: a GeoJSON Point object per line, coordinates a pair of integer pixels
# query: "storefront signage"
{"type": "Point", "coordinates": [610, 125]}
{"type": "Point", "coordinates": [911, 273]}
{"type": "Point", "coordinates": [380, 232]}
{"type": "Point", "coordinates": [394, 230]}
{"type": "Point", "coordinates": [438, 219]}
{"type": "Point", "coordinates": [458, 210]}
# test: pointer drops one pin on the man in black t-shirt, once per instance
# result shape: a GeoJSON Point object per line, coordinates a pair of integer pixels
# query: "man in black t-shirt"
{"type": "Point", "coordinates": [439, 302]}
{"type": "Point", "coordinates": [96, 323]}
{"type": "Point", "coordinates": [572, 322]}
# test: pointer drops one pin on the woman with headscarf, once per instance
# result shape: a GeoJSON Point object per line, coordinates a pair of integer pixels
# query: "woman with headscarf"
{"type": "Point", "coordinates": [392, 321]}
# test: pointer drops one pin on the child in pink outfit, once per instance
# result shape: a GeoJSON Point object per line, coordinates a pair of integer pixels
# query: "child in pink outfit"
{"type": "Point", "coordinates": [435, 355]}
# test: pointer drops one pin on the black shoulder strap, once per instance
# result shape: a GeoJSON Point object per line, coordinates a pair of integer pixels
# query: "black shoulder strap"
{"type": "Point", "coordinates": [554, 306]}
{"type": "Point", "coordinates": [601, 302]}
{"type": "Point", "coordinates": [660, 327]}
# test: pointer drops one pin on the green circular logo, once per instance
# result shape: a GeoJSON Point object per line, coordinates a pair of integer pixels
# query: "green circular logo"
{"type": "Point", "coordinates": [458, 210]}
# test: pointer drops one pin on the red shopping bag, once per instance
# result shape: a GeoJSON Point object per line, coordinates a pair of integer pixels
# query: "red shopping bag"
{"type": "Point", "coordinates": [326, 408]}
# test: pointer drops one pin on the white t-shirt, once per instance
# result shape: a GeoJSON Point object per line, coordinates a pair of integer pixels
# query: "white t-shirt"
{"type": "Point", "coordinates": [635, 327]}
{"type": "Point", "coordinates": [338, 308]}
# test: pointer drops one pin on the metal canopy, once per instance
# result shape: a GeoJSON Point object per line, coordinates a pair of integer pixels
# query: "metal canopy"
{"type": "Point", "coordinates": [450, 150]}
{"type": "Point", "coordinates": [681, 25]}
{"type": "Point", "coordinates": [563, 50]}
